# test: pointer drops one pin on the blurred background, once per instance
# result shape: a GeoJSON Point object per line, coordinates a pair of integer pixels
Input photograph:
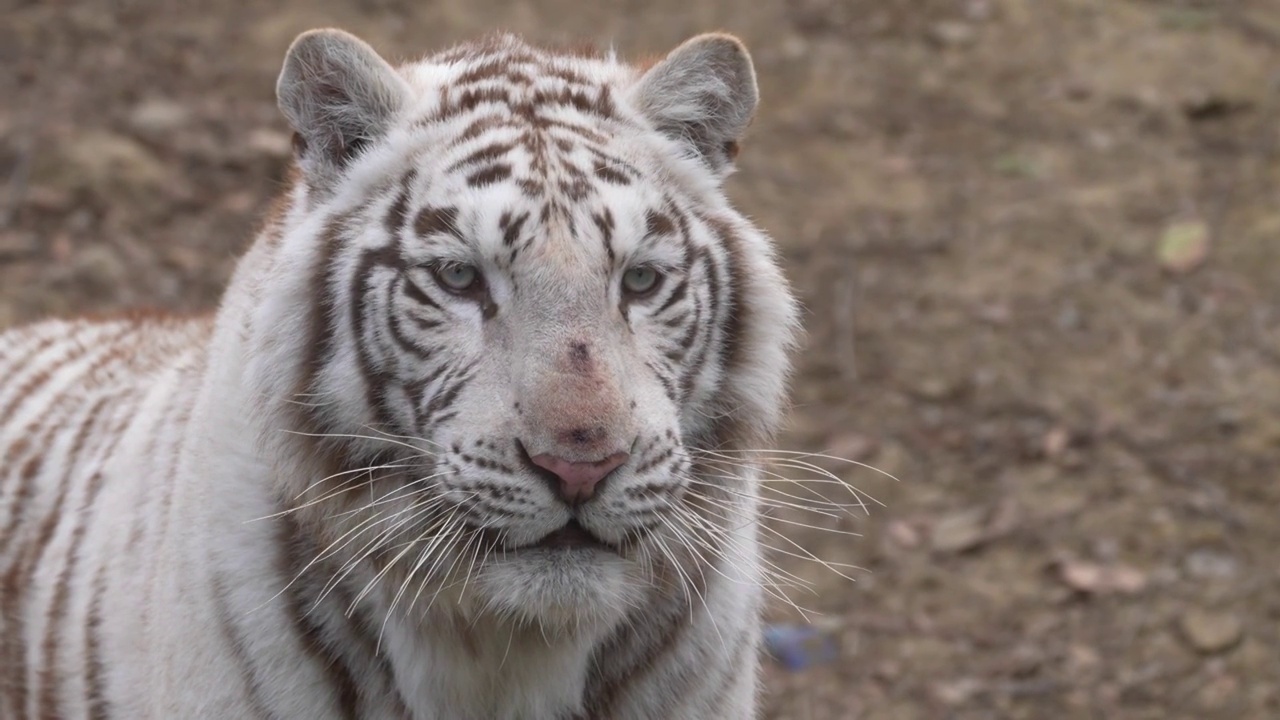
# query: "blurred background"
{"type": "Point", "coordinates": [1039, 246]}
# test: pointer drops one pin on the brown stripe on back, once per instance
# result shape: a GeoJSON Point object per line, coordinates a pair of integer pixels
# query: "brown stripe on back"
{"type": "Point", "coordinates": [32, 351]}
{"type": "Point", "coordinates": [78, 350]}
{"type": "Point", "coordinates": [19, 580]}
{"type": "Point", "coordinates": [99, 706]}
{"type": "Point", "coordinates": [49, 676]}
{"type": "Point", "coordinates": [58, 610]}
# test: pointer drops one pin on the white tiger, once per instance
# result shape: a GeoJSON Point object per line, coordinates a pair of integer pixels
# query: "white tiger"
{"type": "Point", "coordinates": [444, 450]}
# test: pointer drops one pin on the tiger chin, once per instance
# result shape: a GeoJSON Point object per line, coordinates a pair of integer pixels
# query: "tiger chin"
{"type": "Point", "coordinates": [469, 436]}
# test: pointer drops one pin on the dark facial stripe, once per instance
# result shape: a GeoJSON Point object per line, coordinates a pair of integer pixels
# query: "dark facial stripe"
{"type": "Point", "coordinates": [442, 399]}
{"type": "Point", "coordinates": [415, 293]}
{"type": "Point", "coordinates": [511, 227]}
{"type": "Point", "coordinates": [730, 432]}
{"type": "Point", "coordinates": [609, 174]}
{"type": "Point", "coordinates": [436, 221]}
{"type": "Point", "coordinates": [489, 176]}
{"type": "Point", "coordinates": [404, 341]}
{"type": "Point", "coordinates": [396, 215]}
{"type": "Point", "coordinates": [656, 224]}
{"type": "Point", "coordinates": [643, 653]}
{"type": "Point", "coordinates": [604, 223]}
{"type": "Point", "coordinates": [306, 627]}
{"type": "Point", "coordinates": [488, 154]}
{"type": "Point", "coordinates": [231, 636]}
{"type": "Point", "coordinates": [364, 310]}
{"type": "Point", "coordinates": [320, 341]}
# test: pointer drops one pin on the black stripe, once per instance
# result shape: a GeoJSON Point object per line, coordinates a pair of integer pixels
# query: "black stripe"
{"type": "Point", "coordinates": [239, 652]}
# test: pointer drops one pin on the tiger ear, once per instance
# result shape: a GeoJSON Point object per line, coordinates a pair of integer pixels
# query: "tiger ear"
{"type": "Point", "coordinates": [704, 95]}
{"type": "Point", "coordinates": [339, 96]}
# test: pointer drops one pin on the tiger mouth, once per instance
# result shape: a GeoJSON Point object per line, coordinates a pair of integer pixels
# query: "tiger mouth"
{"type": "Point", "coordinates": [572, 536]}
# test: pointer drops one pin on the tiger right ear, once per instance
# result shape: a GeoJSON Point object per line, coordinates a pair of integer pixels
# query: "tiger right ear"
{"type": "Point", "coordinates": [339, 96]}
{"type": "Point", "coordinates": [704, 95]}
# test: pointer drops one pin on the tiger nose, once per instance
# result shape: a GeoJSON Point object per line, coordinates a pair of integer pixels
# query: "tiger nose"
{"type": "Point", "coordinates": [578, 480]}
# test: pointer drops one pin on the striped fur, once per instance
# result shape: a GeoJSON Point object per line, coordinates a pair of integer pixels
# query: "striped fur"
{"type": "Point", "coordinates": [319, 502]}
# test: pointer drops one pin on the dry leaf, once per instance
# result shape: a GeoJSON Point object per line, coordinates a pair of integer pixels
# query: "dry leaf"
{"type": "Point", "coordinates": [1184, 246]}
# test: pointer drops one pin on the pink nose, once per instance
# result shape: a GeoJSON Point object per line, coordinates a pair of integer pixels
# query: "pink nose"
{"type": "Point", "coordinates": [578, 480]}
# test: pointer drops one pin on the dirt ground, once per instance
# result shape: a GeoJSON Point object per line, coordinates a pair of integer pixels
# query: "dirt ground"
{"type": "Point", "coordinates": [1038, 242]}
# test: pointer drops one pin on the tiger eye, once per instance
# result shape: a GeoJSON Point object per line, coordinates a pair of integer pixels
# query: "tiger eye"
{"type": "Point", "coordinates": [640, 280]}
{"type": "Point", "coordinates": [457, 277]}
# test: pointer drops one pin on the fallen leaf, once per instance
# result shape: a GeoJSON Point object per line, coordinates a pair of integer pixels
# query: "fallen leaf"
{"type": "Point", "coordinates": [1184, 246]}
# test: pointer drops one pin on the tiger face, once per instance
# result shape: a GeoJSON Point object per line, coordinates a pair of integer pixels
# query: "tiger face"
{"type": "Point", "coordinates": [530, 309]}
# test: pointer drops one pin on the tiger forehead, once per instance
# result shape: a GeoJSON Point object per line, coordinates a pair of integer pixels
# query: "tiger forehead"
{"type": "Point", "coordinates": [534, 119]}
{"type": "Point", "coordinates": [534, 84]}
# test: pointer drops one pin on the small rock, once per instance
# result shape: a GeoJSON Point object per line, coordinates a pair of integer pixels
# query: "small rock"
{"type": "Point", "coordinates": [1055, 442]}
{"type": "Point", "coordinates": [956, 692]}
{"type": "Point", "coordinates": [103, 162]}
{"type": "Point", "coordinates": [952, 33]}
{"type": "Point", "coordinates": [1082, 659]}
{"type": "Point", "coordinates": [851, 446]}
{"type": "Point", "coordinates": [1210, 632]}
{"type": "Point", "coordinates": [1098, 579]}
{"type": "Point", "coordinates": [158, 115]}
{"type": "Point", "coordinates": [1204, 564]}
{"type": "Point", "coordinates": [936, 388]}
{"type": "Point", "coordinates": [959, 532]}
{"type": "Point", "coordinates": [903, 534]}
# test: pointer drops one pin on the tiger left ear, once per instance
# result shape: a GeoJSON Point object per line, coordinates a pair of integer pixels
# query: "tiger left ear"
{"type": "Point", "coordinates": [702, 94]}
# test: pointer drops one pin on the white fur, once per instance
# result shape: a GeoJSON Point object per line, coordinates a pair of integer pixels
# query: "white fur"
{"type": "Point", "coordinates": [205, 448]}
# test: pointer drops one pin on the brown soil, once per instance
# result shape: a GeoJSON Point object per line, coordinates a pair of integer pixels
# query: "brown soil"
{"type": "Point", "coordinates": [972, 196]}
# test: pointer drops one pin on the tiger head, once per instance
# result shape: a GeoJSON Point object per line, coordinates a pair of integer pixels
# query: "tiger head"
{"type": "Point", "coordinates": [512, 306]}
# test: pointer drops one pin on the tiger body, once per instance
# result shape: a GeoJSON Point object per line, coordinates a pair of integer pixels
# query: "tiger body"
{"type": "Point", "coordinates": [440, 452]}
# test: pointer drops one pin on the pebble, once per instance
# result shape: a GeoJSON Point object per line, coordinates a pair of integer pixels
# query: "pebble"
{"type": "Point", "coordinates": [158, 115]}
{"type": "Point", "coordinates": [105, 162]}
{"type": "Point", "coordinates": [952, 33]}
{"type": "Point", "coordinates": [1204, 564]}
{"type": "Point", "coordinates": [1209, 632]}
{"type": "Point", "coordinates": [960, 531]}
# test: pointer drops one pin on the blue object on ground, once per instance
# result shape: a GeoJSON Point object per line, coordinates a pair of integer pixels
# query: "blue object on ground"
{"type": "Point", "coordinates": [798, 647]}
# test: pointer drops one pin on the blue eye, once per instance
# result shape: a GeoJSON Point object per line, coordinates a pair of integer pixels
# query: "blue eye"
{"type": "Point", "coordinates": [457, 277]}
{"type": "Point", "coordinates": [640, 280]}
